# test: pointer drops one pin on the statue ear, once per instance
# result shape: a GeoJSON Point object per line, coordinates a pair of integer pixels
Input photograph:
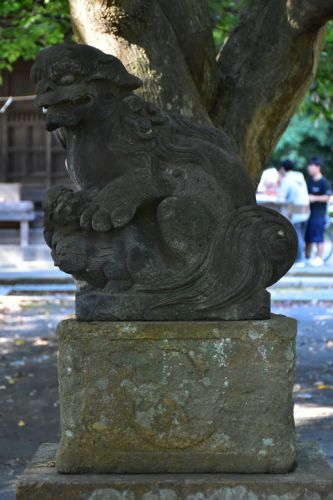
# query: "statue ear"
{"type": "Point", "coordinates": [112, 69]}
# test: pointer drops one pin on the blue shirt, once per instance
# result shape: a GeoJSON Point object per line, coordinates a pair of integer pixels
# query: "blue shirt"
{"type": "Point", "coordinates": [319, 188]}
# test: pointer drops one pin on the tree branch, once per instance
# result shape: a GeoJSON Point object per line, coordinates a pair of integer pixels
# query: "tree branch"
{"type": "Point", "coordinates": [139, 34]}
{"type": "Point", "coordinates": [306, 14]}
{"type": "Point", "coordinates": [266, 68]}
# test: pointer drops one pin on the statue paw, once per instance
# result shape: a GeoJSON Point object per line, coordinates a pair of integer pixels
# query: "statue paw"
{"type": "Point", "coordinates": [101, 219]}
{"type": "Point", "coordinates": [113, 207]}
{"type": "Point", "coordinates": [96, 219]}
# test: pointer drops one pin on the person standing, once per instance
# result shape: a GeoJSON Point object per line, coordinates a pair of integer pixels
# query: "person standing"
{"type": "Point", "coordinates": [319, 194]}
{"type": "Point", "coordinates": [293, 190]}
{"type": "Point", "coordinates": [269, 181]}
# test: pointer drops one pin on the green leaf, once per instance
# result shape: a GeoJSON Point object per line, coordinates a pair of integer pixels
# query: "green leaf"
{"type": "Point", "coordinates": [29, 25]}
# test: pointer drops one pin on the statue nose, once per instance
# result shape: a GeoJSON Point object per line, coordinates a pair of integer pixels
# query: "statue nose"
{"type": "Point", "coordinates": [45, 86]}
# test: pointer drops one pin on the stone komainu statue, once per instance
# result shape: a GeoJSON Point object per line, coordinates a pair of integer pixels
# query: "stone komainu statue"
{"type": "Point", "coordinates": [163, 223]}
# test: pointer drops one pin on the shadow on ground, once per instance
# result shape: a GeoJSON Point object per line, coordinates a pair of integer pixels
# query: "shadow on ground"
{"type": "Point", "coordinates": [28, 381]}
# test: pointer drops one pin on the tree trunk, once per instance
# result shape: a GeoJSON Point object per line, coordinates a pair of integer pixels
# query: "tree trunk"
{"type": "Point", "coordinates": [139, 33]}
{"type": "Point", "coordinates": [191, 22]}
{"type": "Point", "coordinates": [260, 77]}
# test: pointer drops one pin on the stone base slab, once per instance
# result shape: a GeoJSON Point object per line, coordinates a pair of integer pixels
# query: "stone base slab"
{"type": "Point", "coordinates": [183, 397]}
{"type": "Point", "coordinates": [311, 480]}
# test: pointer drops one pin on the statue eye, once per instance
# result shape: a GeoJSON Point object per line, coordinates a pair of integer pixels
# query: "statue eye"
{"type": "Point", "coordinates": [66, 79]}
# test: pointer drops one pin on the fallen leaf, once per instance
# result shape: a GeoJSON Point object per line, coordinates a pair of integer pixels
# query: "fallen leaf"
{"type": "Point", "coordinates": [21, 423]}
{"type": "Point", "coordinates": [99, 426]}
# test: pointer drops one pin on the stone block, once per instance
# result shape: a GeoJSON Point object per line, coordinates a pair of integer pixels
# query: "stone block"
{"type": "Point", "coordinates": [183, 397]}
{"type": "Point", "coordinates": [311, 480]}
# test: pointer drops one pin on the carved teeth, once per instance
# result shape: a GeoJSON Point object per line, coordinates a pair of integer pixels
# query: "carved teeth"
{"type": "Point", "coordinates": [64, 102]}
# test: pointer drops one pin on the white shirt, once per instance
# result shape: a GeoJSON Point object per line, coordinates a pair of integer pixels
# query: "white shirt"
{"type": "Point", "coordinates": [293, 189]}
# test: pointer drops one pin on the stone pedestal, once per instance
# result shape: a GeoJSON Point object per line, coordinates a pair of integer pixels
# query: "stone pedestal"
{"type": "Point", "coordinates": [176, 397]}
{"type": "Point", "coordinates": [311, 480]}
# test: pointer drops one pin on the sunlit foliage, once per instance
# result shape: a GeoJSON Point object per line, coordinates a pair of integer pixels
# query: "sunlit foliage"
{"type": "Point", "coordinates": [28, 25]}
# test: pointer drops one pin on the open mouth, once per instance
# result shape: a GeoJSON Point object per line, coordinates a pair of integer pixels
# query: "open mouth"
{"type": "Point", "coordinates": [66, 104]}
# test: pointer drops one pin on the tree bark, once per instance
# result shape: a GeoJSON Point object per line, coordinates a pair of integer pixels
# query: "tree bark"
{"type": "Point", "coordinates": [138, 33]}
{"type": "Point", "coordinates": [261, 75]}
{"type": "Point", "coordinates": [191, 22]}
{"type": "Point", "coordinates": [266, 68]}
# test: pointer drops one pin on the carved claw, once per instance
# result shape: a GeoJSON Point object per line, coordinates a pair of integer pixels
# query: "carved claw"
{"type": "Point", "coordinates": [86, 217]}
{"type": "Point", "coordinates": [122, 216]}
{"type": "Point", "coordinates": [101, 221]}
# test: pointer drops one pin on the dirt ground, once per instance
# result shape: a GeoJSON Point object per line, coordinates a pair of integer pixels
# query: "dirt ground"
{"type": "Point", "coordinates": [28, 381]}
{"type": "Point", "coordinates": [29, 412]}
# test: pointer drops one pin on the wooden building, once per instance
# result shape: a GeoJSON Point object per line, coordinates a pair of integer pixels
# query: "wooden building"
{"type": "Point", "coordinates": [29, 154]}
